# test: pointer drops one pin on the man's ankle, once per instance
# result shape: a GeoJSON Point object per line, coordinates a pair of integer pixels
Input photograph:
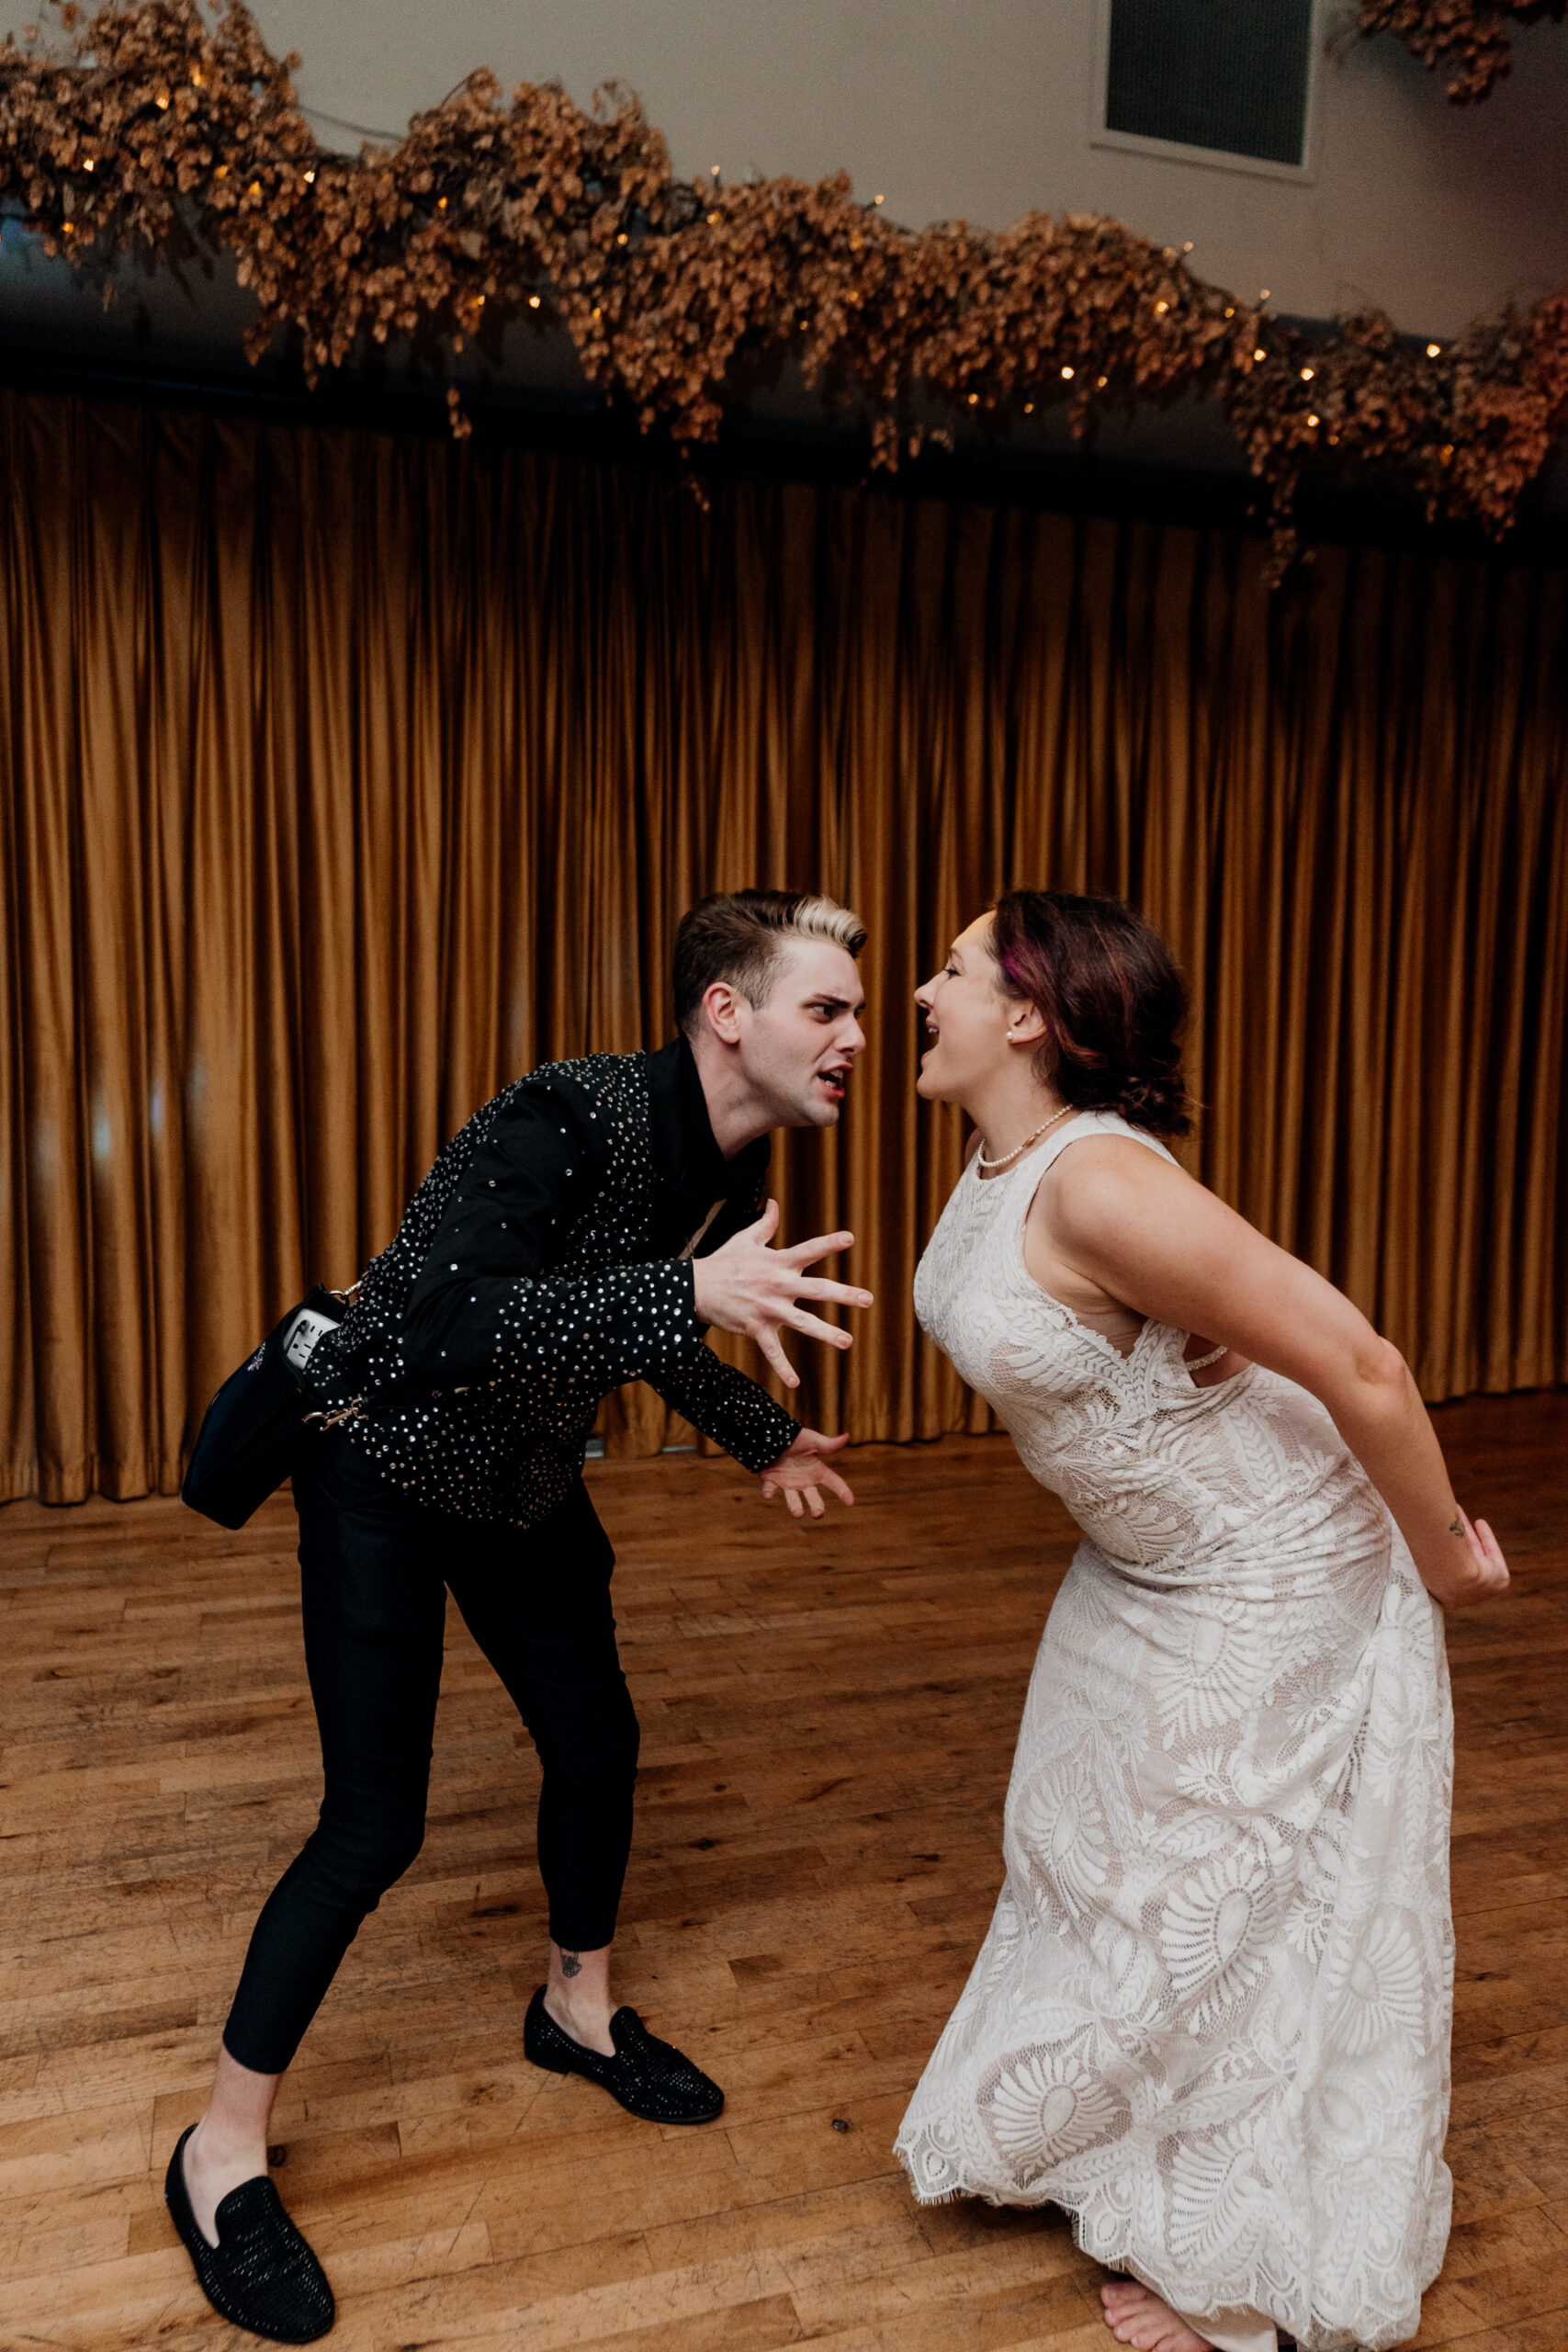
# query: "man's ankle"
{"type": "Point", "coordinates": [586, 2022]}
{"type": "Point", "coordinates": [210, 2145]}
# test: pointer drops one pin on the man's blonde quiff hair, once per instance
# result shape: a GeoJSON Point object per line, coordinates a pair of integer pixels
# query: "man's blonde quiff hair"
{"type": "Point", "coordinates": [737, 935]}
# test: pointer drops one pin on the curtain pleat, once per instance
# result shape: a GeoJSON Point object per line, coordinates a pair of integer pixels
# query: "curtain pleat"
{"type": "Point", "coordinates": [347, 776]}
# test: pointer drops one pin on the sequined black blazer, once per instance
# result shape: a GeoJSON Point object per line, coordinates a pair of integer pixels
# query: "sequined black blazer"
{"type": "Point", "coordinates": [538, 1266]}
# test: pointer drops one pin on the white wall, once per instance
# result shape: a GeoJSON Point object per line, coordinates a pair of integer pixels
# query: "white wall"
{"type": "Point", "coordinates": [978, 110]}
{"type": "Point", "coordinates": [981, 110]}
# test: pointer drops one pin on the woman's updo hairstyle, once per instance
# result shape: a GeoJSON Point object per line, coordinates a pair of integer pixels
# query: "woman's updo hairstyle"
{"type": "Point", "coordinates": [1113, 1004]}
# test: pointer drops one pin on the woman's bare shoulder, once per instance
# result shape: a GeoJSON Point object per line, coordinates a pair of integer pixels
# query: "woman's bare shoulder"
{"type": "Point", "coordinates": [1097, 1182]}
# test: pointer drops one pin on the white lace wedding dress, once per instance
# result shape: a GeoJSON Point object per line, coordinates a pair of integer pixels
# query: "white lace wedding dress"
{"type": "Point", "coordinates": [1211, 2017]}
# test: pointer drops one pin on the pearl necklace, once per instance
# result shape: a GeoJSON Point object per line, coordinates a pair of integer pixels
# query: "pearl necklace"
{"type": "Point", "coordinates": [1002, 1158]}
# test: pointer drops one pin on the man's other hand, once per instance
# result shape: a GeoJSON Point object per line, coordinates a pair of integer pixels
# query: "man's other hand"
{"type": "Point", "coordinates": [801, 1475]}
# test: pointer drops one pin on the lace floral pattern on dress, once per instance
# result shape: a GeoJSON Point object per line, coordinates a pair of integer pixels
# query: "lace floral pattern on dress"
{"type": "Point", "coordinates": [1211, 2017]}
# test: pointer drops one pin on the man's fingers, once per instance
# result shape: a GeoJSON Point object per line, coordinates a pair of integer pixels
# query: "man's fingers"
{"type": "Point", "coordinates": [811, 1327]}
{"type": "Point", "coordinates": [806, 1253]}
{"type": "Point", "coordinates": [817, 1287]}
{"type": "Point", "coordinates": [767, 1338]}
{"type": "Point", "coordinates": [803, 1472]}
{"type": "Point", "coordinates": [760, 1233]}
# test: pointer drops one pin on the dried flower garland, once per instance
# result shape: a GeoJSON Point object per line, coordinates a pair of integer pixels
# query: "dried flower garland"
{"type": "Point", "coordinates": [1470, 39]}
{"type": "Point", "coordinates": [164, 129]}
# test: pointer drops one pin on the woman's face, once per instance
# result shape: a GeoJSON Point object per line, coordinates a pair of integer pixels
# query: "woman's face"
{"type": "Point", "coordinates": [967, 1018]}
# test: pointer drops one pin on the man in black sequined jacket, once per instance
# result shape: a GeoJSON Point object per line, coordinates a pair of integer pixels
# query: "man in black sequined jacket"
{"type": "Point", "coordinates": [551, 1253]}
{"type": "Point", "coordinates": [584, 1228]}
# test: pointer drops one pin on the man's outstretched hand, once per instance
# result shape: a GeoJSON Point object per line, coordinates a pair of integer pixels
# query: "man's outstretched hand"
{"type": "Point", "coordinates": [746, 1286]}
{"type": "Point", "coordinates": [800, 1475]}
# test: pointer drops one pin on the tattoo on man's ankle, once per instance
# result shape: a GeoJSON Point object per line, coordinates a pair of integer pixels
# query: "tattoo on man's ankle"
{"type": "Point", "coordinates": [570, 1965]}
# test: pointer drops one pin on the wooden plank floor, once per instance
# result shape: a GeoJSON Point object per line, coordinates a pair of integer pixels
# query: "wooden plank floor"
{"type": "Point", "coordinates": [828, 1716]}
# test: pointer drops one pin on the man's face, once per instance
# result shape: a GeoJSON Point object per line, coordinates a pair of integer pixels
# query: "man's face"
{"type": "Point", "coordinates": [797, 1049]}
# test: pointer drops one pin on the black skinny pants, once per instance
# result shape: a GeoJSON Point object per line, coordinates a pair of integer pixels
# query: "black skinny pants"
{"type": "Point", "coordinates": [374, 1577]}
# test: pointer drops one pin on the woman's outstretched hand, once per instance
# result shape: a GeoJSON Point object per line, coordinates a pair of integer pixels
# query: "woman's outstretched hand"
{"type": "Point", "coordinates": [803, 1472]}
{"type": "Point", "coordinates": [747, 1286]}
{"type": "Point", "coordinates": [1477, 1570]}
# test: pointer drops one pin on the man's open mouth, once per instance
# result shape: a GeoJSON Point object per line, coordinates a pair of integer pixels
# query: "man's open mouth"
{"type": "Point", "coordinates": [836, 1082]}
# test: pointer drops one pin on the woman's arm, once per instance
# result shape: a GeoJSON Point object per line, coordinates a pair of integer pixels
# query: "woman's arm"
{"type": "Point", "coordinates": [1155, 1240]}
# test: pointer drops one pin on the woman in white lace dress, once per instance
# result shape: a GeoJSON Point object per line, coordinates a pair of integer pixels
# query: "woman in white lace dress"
{"type": "Point", "coordinates": [1211, 2017]}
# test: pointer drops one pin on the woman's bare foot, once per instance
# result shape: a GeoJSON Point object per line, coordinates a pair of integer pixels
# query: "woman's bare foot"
{"type": "Point", "coordinates": [1135, 2315]}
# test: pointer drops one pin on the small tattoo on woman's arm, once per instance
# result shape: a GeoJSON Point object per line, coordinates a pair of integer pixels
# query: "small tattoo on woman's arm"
{"type": "Point", "coordinates": [1456, 1527]}
{"type": "Point", "coordinates": [569, 1964]}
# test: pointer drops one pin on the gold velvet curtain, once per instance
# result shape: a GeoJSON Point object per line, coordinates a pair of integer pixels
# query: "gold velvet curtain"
{"type": "Point", "coordinates": [346, 776]}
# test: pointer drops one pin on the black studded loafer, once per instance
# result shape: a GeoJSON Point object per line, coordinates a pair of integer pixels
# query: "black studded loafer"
{"type": "Point", "coordinates": [261, 2275]}
{"type": "Point", "coordinates": [649, 2078]}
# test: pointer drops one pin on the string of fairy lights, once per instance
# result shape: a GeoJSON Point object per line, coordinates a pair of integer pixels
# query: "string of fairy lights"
{"type": "Point", "coordinates": [157, 127]}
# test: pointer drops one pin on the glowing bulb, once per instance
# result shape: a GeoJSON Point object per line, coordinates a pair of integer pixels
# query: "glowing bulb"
{"type": "Point", "coordinates": [1029, 408]}
{"type": "Point", "coordinates": [974, 400]}
{"type": "Point", "coordinates": [1160, 309]}
{"type": "Point", "coordinates": [533, 301]}
{"type": "Point", "coordinates": [1263, 294]}
{"type": "Point", "coordinates": [1311, 419]}
{"type": "Point", "coordinates": [1259, 353]}
{"type": "Point", "coordinates": [1100, 382]}
{"type": "Point", "coordinates": [1306, 375]}
{"type": "Point", "coordinates": [1066, 375]}
{"type": "Point", "coordinates": [1230, 310]}
{"type": "Point", "coordinates": [1433, 349]}
{"type": "Point", "coordinates": [88, 165]}
{"type": "Point", "coordinates": [311, 178]}
{"type": "Point", "coordinates": [876, 199]}
{"type": "Point", "coordinates": [162, 101]}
